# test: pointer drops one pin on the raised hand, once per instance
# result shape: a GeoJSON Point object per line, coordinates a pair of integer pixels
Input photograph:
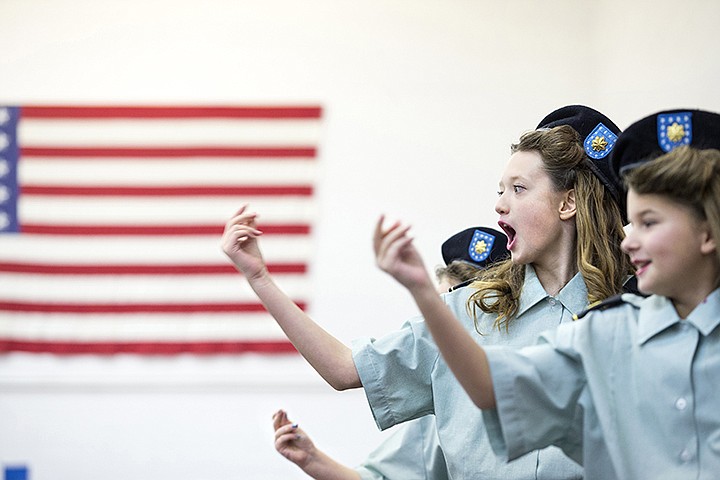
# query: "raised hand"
{"type": "Point", "coordinates": [396, 255]}
{"type": "Point", "coordinates": [239, 242]}
{"type": "Point", "coordinates": [291, 441]}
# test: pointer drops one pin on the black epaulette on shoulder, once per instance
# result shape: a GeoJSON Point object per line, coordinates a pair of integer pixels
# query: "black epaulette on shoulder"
{"type": "Point", "coordinates": [630, 286]}
{"type": "Point", "coordinates": [461, 285]}
{"type": "Point", "coordinates": [611, 302]}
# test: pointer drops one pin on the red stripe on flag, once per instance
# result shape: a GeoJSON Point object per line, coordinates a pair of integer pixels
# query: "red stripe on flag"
{"type": "Point", "coordinates": [95, 269]}
{"type": "Point", "coordinates": [212, 191]}
{"type": "Point", "coordinates": [147, 348]}
{"type": "Point", "coordinates": [83, 308]}
{"type": "Point", "coordinates": [166, 152]}
{"type": "Point", "coordinates": [147, 111]}
{"type": "Point", "coordinates": [151, 230]}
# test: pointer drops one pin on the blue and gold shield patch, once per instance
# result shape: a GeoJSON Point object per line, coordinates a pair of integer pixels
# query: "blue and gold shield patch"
{"type": "Point", "coordinates": [600, 142]}
{"type": "Point", "coordinates": [674, 130]}
{"type": "Point", "coordinates": [481, 245]}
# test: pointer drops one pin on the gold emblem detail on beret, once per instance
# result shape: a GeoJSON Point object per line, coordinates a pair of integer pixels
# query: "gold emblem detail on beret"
{"type": "Point", "coordinates": [675, 132]}
{"type": "Point", "coordinates": [480, 246]}
{"type": "Point", "coordinates": [599, 144]}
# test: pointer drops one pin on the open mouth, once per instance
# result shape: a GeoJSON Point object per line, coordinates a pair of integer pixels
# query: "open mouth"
{"type": "Point", "coordinates": [510, 232]}
{"type": "Point", "coordinates": [640, 266]}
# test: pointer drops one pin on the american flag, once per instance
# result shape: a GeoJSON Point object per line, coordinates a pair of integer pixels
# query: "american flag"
{"type": "Point", "coordinates": [111, 218]}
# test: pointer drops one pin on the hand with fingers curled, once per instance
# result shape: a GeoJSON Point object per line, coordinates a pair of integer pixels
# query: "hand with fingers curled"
{"type": "Point", "coordinates": [294, 444]}
{"type": "Point", "coordinates": [396, 255]}
{"type": "Point", "coordinates": [291, 441]}
{"type": "Point", "coordinates": [239, 242]}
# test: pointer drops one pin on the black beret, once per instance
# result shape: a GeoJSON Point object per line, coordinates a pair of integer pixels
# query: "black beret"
{"type": "Point", "coordinates": [598, 134]}
{"type": "Point", "coordinates": [478, 245]}
{"type": "Point", "coordinates": [661, 132]}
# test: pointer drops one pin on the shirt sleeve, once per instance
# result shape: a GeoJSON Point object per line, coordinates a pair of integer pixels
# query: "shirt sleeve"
{"type": "Point", "coordinates": [412, 452]}
{"type": "Point", "coordinates": [537, 391]}
{"type": "Point", "coordinates": [396, 373]}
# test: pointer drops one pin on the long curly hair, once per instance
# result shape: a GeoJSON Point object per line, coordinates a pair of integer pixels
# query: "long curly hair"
{"type": "Point", "coordinates": [598, 221]}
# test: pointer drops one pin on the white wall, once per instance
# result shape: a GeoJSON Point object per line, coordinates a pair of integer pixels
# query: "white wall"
{"type": "Point", "coordinates": [422, 99]}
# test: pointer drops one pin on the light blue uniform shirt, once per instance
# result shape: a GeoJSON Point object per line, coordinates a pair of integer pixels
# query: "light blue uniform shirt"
{"type": "Point", "coordinates": [405, 377]}
{"type": "Point", "coordinates": [412, 452]}
{"type": "Point", "coordinates": [647, 381]}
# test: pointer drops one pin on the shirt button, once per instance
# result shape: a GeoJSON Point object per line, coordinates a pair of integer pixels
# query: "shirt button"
{"type": "Point", "coordinates": [552, 301]}
{"type": "Point", "coordinates": [681, 403]}
{"type": "Point", "coordinates": [685, 456]}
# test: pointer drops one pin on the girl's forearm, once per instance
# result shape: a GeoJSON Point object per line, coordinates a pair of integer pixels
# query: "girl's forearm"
{"type": "Point", "coordinates": [323, 467]}
{"type": "Point", "coordinates": [327, 355]}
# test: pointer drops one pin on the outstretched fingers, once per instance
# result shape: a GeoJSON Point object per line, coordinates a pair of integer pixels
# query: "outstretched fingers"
{"type": "Point", "coordinates": [239, 228]}
{"type": "Point", "coordinates": [381, 234]}
{"type": "Point", "coordinates": [241, 216]}
{"type": "Point", "coordinates": [390, 243]}
{"type": "Point", "coordinates": [396, 255]}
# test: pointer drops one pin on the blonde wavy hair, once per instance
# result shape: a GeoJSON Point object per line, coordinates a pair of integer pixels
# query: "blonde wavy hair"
{"type": "Point", "coordinates": [685, 175]}
{"type": "Point", "coordinates": [598, 221]}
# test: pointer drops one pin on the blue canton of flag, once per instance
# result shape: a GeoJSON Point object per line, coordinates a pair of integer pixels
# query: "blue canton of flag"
{"type": "Point", "coordinates": [674, 130]}
{"type": "Point", "coordinates": [8, 170]}
{"type": "Point", "coordinates": [600, 142]}
{"type": "Point", "coordinates": [481, 245]}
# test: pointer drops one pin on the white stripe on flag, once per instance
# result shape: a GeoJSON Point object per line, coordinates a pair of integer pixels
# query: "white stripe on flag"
{"type": "Point", "coordinates": [147, 328]}
{"type": "Point", "coordinates": [192, 250]}
{"type": "Point", "coordinates": [169, 132]}
{"type": "Point", "coordinates": [177, 289]}
{"type": "Point", "coordinates": [161, 210]}
{"type": "Point", "coordinates": [155, 171]}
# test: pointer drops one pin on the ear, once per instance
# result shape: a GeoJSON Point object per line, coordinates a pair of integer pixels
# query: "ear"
{"type": "Point", "coordinates": [568, 208]}
{"type": "Point", "coordinates": [707, 242]}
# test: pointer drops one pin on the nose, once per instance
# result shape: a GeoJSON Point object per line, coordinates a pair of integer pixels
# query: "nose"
{"type": "Point", "coordinates": [629, 243]}
{"type": "Point", "coordinates": [501, 205]}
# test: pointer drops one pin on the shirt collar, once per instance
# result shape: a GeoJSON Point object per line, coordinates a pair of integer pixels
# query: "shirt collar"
{"type": "Point", "coordinates": [658, 313]}
{"type": "Point", "coordinates": [573, 295]}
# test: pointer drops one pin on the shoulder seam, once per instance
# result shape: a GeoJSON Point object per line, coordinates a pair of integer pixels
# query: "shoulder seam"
{"type": "Point", "coordinates": [611, 302]}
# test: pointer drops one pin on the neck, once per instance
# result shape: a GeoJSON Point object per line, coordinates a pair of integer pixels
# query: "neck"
{"type": "Point", "coordinates": [558, 265]}
{"type": "Point", "coordinates": [554, 277]}
{"type": "Point", "coordinates": [696, 288]}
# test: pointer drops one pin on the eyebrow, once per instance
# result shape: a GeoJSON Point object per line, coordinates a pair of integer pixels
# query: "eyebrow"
{"type": "Point", "coordinates": [647, 210]}
{"type": "Point", "coordinates": [513, 179]}
{"type": "Point", "coordinates": [644, 212]}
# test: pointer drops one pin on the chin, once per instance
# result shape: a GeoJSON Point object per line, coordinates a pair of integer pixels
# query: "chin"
{"type": "Point", "coordinates": [523, 257]}
{"type": "Point", "coordinates": [648, 288]}
{"type": "Point", "coordinates": [517, 260]}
